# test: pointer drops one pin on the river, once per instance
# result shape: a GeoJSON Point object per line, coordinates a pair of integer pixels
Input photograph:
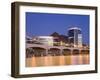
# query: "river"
{"type": "Point", "coordinates": [57, 60]}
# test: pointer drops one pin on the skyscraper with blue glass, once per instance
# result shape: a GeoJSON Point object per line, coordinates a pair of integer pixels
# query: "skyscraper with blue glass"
{"type": "Point", "coordinates": [75, 36]}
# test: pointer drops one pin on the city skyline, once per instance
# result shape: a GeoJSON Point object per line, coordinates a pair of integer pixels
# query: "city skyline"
{"type": "Point", "coordinates": [44, 24]}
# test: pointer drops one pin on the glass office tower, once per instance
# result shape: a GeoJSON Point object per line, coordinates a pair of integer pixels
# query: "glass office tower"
{"type": "Point", "coordinates": [75, 37]}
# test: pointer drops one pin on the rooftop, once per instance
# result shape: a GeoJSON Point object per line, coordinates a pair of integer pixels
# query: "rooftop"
{"type": "Point", "coordinates": [74, 28]}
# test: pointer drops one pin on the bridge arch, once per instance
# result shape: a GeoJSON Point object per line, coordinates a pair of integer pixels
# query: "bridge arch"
{"type": "Point", "coordinates": [29, 52]}
{"type": "Point", "coordinates": [38, 51]}
{"type": "Point", "coordinates": [75, 52]}
{"type": "Point", "coordinates": [84, 51]}
{"type": "Point", "coordinates": [54, 51]}
{"type": "Point", "coordinates": [66, 51]}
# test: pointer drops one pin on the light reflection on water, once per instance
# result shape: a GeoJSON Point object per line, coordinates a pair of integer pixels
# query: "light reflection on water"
{"type": "Point", "coordinates": [58, 60]}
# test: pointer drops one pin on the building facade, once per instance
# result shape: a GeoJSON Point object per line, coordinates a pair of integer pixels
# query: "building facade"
{"type": "Point", "coordinates": [43, 40]}
{"type": "Point", "coordinates": [75, 37]}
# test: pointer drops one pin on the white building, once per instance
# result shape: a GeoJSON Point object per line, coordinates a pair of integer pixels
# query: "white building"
{"type": "Point", "coordinates": [44, 40]}
{"type": "Point", "coordinates": [79, 40]}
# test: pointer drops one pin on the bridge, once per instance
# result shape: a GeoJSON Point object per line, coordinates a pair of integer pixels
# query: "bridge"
{"type": "Point", "coordinates": [44, 50]}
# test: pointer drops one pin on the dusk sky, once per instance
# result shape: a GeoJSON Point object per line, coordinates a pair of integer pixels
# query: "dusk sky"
{"type": "Point", "coordinates": [44, 24]}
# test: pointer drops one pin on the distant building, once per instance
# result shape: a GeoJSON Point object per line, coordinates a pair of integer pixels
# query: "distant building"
{"type": "Point", "coordinates": [72, 39]}
{"type": "Point", "coordinates": [43, 40]}
{"type": "Point", "coordinates": [29, 39]}
{"type": "Point", "coordinates": [75, 36]}
{"type": "Point", "coordinates": [59, 40]}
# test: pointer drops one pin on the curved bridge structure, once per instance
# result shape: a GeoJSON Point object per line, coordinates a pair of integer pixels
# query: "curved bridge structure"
{"type": "Point", "coordinates": [44, 50]}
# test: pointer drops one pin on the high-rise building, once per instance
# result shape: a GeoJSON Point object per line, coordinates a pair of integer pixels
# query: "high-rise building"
{"type": "Point", "coordinates": [75, 36]}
